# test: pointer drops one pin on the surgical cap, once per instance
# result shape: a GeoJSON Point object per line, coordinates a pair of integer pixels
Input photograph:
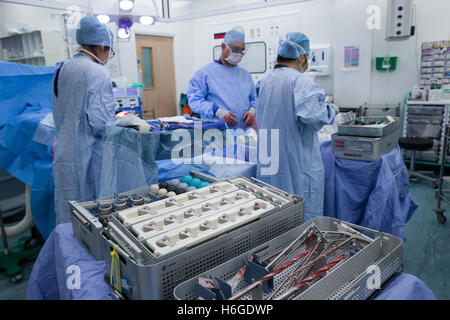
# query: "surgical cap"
{"type": "Point", "coordinates": [291, 46]}
{"type": "Point", "coordinates": [93, 32]}
{"type": "Point", "coordinates": [234, 36]}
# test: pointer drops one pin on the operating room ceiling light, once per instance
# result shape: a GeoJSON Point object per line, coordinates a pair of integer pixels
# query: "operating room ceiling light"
{"type": "Point", "coordinates": [124, 25]}
{"type": "Point", "coordinates": [147, 20]}
{"type": "Point", "coordinates": [126, 5]}
{"type": "Point", "coordinates": [123, 33]}
{"type": "Point", "coordinates": [103, 18]}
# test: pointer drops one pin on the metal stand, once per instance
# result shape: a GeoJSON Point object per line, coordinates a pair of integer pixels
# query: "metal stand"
{"type": "Point", "coordinates": [420, 174]}
{"type": "Point", "coordinates": [440, 192]}
{"type": "Point", "coordinates": [3, 231]}
{"type": "Point", "coordinates": [11, 260]}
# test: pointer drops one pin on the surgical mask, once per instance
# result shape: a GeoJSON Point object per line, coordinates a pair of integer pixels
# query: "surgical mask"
{"type": "Point", "coordinates": [302, 67]}
{"type": "Point", "coordinates": [308, 59]}
{"type": "Point", "coordinates": [234, 57]}
{"type": "Point", "coordinates": [101, 62]}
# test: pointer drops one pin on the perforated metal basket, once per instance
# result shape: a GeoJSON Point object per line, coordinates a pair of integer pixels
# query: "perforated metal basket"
{"type": "Point", "coordinates": [348, 280]}
{"type": "Point", "coordinates": [350, 129]}
{"type": "Point", "coordinates": [155, 277]}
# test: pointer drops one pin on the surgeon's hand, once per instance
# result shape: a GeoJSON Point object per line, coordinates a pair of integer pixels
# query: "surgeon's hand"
{"type": "Point", "coordinates": [227, 116]}
{"type": "Point", "coordinates": [334, 107]}
{"type": "Point", "coordinates": [250, 118]}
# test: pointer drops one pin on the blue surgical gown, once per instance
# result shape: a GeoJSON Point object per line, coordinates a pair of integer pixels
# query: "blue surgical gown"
{"type": "Point", "coordinates": [292, 103]}
{"type": "Point", "coordinates": [229, 88]}
{"type": "Point", "coordinates": [82, 104]}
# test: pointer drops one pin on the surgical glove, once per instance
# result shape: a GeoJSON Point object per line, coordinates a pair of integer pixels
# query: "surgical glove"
{"type": "Point", "coordinates": [226, 116]}
{"type": "Point", "coordinates": [335, 108]}
{"type": "Point", "coordinates": [250, 118]}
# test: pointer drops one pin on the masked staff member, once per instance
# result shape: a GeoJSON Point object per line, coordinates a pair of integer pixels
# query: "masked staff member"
{"type": "Point", "coordinates": [292, 103]}
{"type": "Point", "coordinates": [222, 89]}
{"type": "Point", "coordinates": [82, 104]}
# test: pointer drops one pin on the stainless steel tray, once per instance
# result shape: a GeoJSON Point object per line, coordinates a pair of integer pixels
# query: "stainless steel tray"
{"type": "Point", "coordinates": [351, 129]}
{"type": "Point", "coordinates": [349, 279]}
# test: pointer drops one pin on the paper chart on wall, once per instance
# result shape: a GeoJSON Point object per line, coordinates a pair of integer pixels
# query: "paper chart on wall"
{"type": "Point", "coordinates": [352, 58]}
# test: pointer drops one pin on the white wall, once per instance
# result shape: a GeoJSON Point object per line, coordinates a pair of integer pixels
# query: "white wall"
{"type": "Point", "coordinates": [182, 32]}
{"type": "Point", "coordinates": [433, 24]}
{"type": "Point", "coordinates": [341, 23]}
{"type": "Point", "coordinates": [34, 17]}
{"type": "Point", "coordinates": [319, 30]}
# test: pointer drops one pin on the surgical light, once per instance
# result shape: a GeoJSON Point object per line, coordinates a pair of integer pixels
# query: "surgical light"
{"type": "Point", "coordinates": [103, 18]}
{"type": "Point", "coordinates": [126, 5]}
{"type": "Point", "coordinates": [147, 20]}
{"type": "Point", "coordinates": [124, 25]}
{"type": "Point", "coordinates": [123, 33]}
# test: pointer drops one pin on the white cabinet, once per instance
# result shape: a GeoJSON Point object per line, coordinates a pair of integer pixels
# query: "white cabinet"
{"type": "Point", "coordinates": [39, 48]}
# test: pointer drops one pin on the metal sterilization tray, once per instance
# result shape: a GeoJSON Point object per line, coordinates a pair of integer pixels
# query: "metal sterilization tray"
{"type": "Point", "coordinates": [187, 234]}
{"type": "Point", "coordinates": [87, 224]}
{"type": "Point", "coordinates": [363, 148]}
{"type": "Point", "coordinates": [384, 128]}
{"type": "Point", "coordinates": [354, 277]}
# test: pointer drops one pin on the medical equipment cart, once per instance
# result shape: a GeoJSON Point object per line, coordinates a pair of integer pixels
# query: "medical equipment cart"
{"type": "Point", "coordinates": [440, 192]}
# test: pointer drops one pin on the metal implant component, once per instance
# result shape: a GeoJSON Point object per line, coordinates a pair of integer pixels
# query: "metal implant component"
{"type": "Point", "coordinates": [189, 213]}
{"type": "Point", "coordinates": [145, 210]}
{"type": "Point", "coordinates": [150, 227]}
{"type": "Point", "coordinates": [243, 211]}
{"type": "Point", "coordinates": [105, 209]}
{"type": "Point", "coordinates": [164, 242]}
{"type": "Point", "coordinates": [238, 196]}
{"type": "Point", "coordinates": [169, 220]}
{"type": "Point", "coordinates": [123, 197]}
{"type": "Point", "coordinates": [205, 226]}
{"type": "Point", "coordinates": [214, 189]}
{"type": "Point", "coordinates": [224, 218]}
{"type": "Point", "coordinates": [194, 195]}
{"type": "Point", "coordinates": [186, 233]}
{"type": "Point", "coordinates": [137, 201]}
{"type": "Point", "coordinates": [206, 207]}
{"type": "Point", "coordinates": [172, 202]}
{"type": "Point", "coordinates": [120, 205]}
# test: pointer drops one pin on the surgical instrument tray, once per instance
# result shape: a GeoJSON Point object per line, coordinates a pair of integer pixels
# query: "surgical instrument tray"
{"type": "Point", "coordinates": [324, 258]}
{"type": "Point", "coordinates": [151, 247]}
{"type": "Point", "coordinates": [369, 126]}
{"type": "Point", "coordinates": [363, 148]}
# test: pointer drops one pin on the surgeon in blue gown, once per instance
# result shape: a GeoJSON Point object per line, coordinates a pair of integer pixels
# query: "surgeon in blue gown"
{"type": "Point", "coordinates": [222, 89]}
{"type": "Point", "coordinates": [290, 101]}
{"type": "Point", "coordinates": [82, 104]}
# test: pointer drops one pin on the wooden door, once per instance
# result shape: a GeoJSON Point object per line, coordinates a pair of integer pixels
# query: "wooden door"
{"type": "Point", "coordinates": [157, 73]}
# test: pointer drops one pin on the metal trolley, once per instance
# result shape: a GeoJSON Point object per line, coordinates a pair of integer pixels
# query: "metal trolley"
{"type": "Point", "coordinates": [440, 191]}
